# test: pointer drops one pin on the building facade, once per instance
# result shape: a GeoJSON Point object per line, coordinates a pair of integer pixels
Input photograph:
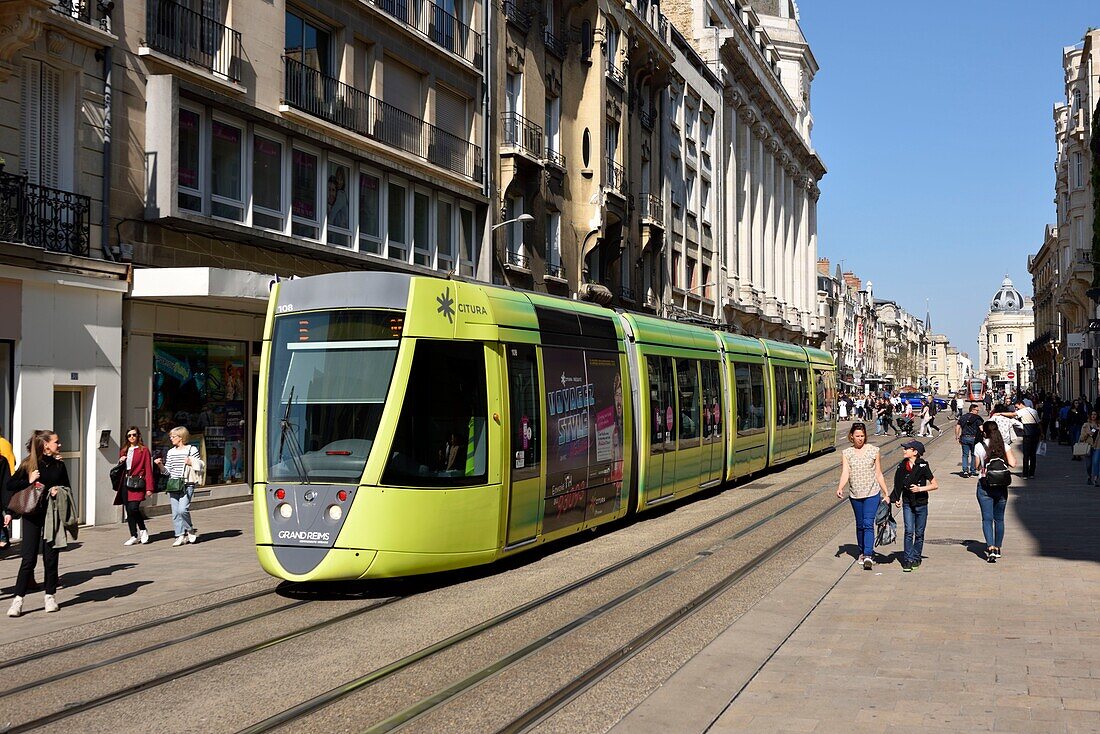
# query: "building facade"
{"type": "Point", "coordinates": [1003, 338]}
{"type": "Point", "coordinates": [1044, 352]}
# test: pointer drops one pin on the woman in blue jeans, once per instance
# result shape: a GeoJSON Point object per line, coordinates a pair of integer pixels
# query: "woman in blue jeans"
{"type": "Point", "coordinates": [862, 481]}
{"type": "Point", "coordinates": [181, 457]}
{"type": "Point", "coordinates": [992, 500]}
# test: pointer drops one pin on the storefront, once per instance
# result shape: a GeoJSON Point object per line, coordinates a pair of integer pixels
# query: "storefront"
{"type": "Point", "coordinates": [193, 339]}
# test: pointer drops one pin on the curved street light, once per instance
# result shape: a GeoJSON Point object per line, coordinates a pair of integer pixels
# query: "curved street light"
{"type": "Point", "coordinates": [521, 218]}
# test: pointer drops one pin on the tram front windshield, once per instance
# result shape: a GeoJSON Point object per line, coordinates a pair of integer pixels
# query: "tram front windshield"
{"type": "Point", "coordinates": [330, 371]}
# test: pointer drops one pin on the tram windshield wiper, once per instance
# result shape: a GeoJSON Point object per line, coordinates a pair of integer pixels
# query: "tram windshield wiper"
{"type": "Point", "coordinates": [287, 432]}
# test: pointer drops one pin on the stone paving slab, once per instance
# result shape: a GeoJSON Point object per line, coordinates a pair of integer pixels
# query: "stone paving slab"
{"type": "Point", "coordinates": [959, 645]}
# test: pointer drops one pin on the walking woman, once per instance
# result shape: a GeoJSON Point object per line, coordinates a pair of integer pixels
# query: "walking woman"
{"type": "Point", "coordinates": [861, 479]}
{"type": "Point", "coordinates": [42, 466]}
{"type": "Point", "coordinates": [993, 462]}
{"type": "Point", "coordinates": [181, 458]}
{"type": "Point", "coordinates": [1091, 432]}
{"type": "Point", "coordinates": [137, 484]}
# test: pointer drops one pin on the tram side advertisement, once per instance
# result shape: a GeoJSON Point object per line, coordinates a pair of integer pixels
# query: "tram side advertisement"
{"type": "Point", "coordinates": [584, 409]}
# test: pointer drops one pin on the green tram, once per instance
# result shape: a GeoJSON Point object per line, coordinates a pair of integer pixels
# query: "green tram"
{"type": "Point", "coordinates": [414, 424]}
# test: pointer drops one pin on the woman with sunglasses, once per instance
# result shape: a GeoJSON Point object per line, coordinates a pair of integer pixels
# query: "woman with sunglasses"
{"type": "Point", "coordinates": [136, 484]}
{"type": "Point", "coordinates": [861, 471]}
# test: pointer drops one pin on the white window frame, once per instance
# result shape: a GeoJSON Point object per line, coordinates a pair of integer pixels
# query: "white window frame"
{"type": "Point", "coordinates": [1078, 171]}
{"type": "Point", "coordinates": [284, 181]}
{"type": "Point", "coordinates": [445, 261]}
{"type": "Point", "coordinates": [514, 207]}
{"type": "Point", "coordinates": [242, 204]}
{"type": "Point", "coordinates": [423, 250]}
{"type": "Point", "coordinates": [704, 199]}
{"type": "Point", "coordinates": [466, 266]}
{"type": "Point", "coordinates": [407, 245]}
{"type": "Point", "coordinates": [553, 238]}
{"type": "Point", "coordinates": [378, 239]}
{"type": "Point", "coordinates": [350, 184]}
{"type": "Point", "coordinates": [553, 128]}
{"type": "Point", "coordinates": [201, 192]}
{"type": "Point", "coordinates": [318, 195]}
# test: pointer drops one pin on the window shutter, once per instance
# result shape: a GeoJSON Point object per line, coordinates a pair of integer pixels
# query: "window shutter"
{"type": "Point", "coordinates": [32, 122]}
{"type": "Point", "coordinates": [401, 87]}
{"type": "Point", "coordinates": [50, 145]}
{"type": "Point", "coordinates": [450, 113]}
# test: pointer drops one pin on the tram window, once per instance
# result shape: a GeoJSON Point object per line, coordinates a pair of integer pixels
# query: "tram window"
{"type": "Point", "coordinates": [661, 402]}
{"type": "Point", "coordinates": [750, 398]}
{"type": "Point", "coordinates": [526, 423]}
{"type": "Point", "coordinates": [441, 438]}
{"type": "Point", "coordinates": [781, 396]}
{"type": "Point", "coordinates": [712, 400]}
{"type": "Point", "coordinates": [801, 395]}
{"type": "Point", "coordinates": [687, 378]}
{"type": "Point", "coordinates": [819, 397]}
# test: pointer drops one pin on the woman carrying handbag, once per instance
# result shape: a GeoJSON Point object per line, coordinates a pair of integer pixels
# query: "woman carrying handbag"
{"type": "Point", "coordinates": [136, 484]}
{"type": "Point", "coordinates": [26, 492]}
{"type": "Point", "coordinates": [184, 468]}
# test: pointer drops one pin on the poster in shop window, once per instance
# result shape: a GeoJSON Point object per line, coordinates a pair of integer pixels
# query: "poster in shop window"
{"type": "Point", "coordinates": [584, 414]}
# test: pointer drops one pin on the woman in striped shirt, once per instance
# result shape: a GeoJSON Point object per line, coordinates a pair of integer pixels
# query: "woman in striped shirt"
{"type": "Point", "coordinates": [181, 456]}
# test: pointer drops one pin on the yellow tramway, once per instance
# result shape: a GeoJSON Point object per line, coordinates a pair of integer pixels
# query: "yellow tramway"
{"type": "Point", "coordinates": [413, 424]}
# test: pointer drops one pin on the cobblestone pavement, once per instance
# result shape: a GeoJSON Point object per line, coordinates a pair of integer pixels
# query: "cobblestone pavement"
{"type": "Point", "coordinates": [958, 645]}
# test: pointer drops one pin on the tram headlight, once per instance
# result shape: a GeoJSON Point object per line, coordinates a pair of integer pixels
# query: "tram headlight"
{"type": "Point", "coordinates": [285, 510]}
{"type": "Point", "coordinates": [335, 512]}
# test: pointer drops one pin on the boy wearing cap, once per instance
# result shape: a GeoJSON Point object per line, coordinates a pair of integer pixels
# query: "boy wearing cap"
{"type": "Point", "coordinates": [913, 480]}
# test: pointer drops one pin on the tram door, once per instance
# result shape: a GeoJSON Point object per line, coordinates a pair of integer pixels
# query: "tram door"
{"type": "Point", "coordinates": [525, 440]}
{"type": "Point", "coordinates": [661, 466]}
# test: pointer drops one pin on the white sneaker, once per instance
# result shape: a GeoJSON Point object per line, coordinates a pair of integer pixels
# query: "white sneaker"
{"type": "Point", "coordinates": [16, 607]}
{"type": "Point", "coordinates": [179, 541]}
{"type": "Point", "coordinates": [192, 537]}
{"type": "Point", "coordinates": [131, 541]}
{"type": "Point", "coordinates": [51, 603]}
{"type": "Point", "coordinates": [143, 536]}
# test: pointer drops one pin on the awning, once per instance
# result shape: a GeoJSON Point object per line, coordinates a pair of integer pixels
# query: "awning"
{"type": "Point", "coordinates": [219, 288]}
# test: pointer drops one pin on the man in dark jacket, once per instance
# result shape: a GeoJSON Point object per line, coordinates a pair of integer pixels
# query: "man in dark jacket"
{"type": "Point", "coordinates": [913, 480]}
{"type": "Point", "coordinates": [966, 433]}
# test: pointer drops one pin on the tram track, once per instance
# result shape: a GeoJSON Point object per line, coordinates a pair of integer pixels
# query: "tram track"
{"type": "Point", "coordinates": [333, 695]}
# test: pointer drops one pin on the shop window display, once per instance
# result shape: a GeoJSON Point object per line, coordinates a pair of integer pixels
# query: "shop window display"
{"type": "Point", "coordinates": [201, 385]}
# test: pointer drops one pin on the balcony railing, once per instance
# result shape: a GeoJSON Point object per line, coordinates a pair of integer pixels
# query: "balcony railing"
{"type": "Point", "coordinates": [555, 270]}
{"type": "Point", "coordinates": [516, 13]}
{"type": "Point", "coordinates": [329, 99]}
{"type": "Point", "coordinates": [615, 74]}
{"type": "Point", "coordinates": [647, 118]}
{"type": "Point", "coordinates": [615, 176]}
{"type": "Point", "coordinates": [188, 36]}
{"type": "Point", "coordinates": [554, 44]}
{"type": "Point", "coordinates": [626, 294]}
{"type": "Point", "coordinates": [554, 158]}
{"type": "Point", "coordinates": [651, 207]}
{"type": "Point", "coordinates": [519, 132]}
{"type": "Point", "coordinates": [517, 259]}
{"type": "Point", "coordinates": [438, 25]}
{"type": "Point", "coordinates": [76, 9]}
{"type": "Point", "coordinates": [55, 220]}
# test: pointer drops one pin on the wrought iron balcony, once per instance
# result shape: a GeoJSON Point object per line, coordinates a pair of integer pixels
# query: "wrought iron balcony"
{"type": "Point", "coordinates": [626, 294]}
{"type": "Point", "coordinates": [554, 44]}
{"type": "Point", "coordinates": [440, 26]}
{"type": "Point", "coordinates": [183, 34]}
{"type": "Point", "coordinates": [80, 10]}
{"type": "Point", "coordinates": [324, 97]}
{"type": "Point", "coordinates": [516, 13]}
{"type": "Point", "coordinates": [615, 176]}
{"type": "Point", "coordinates": [651, 207]}
{"type": "Point", "coordinates": [647, 117]}
{"type": "Point", "coordinates": [555, 270]}
{"type": "Point", "coordinates": [519, 132]}
{"type": "Point", "coordinates": [554, 158]}
{"type": "Point", "coordinates": [615, 74]}
{"type": "Point", "coordinates": [55, 220]}
{"type": "Point", "coordinates": [517, 259]}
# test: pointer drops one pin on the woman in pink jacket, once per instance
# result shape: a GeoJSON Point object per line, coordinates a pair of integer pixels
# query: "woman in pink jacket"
{"type": "Point", "coordinates": [136, 485]}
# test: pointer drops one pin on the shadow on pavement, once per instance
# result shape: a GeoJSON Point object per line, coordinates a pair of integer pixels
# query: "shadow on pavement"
{"type": "Point", "coordinates": [1062, 516]}
{"type": "Point", "coordinates": [109, 592]}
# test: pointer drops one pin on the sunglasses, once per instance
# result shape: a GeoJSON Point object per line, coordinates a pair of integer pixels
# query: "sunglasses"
{"type": "Point", "coordinates": [132, 435]}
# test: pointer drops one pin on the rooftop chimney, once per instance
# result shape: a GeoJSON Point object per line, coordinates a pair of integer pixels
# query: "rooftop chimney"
{"type": "Point", "coordinates": [823, 265]}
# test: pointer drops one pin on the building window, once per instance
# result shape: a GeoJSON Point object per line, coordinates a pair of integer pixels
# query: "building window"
{"type": "Point", "coordinates": [337, 207]}
{"type": "Point", "coordinates": [226, 170]}
{"type": "Point", "coordinates": [444, 235]}
{"type": "Point", "coordinates": [303, 196]}
{"type": "Point", "coordinates": [422, 217]}
{"type": "Point", "coordinates": [397, 207]}
{"type": "Point", "coordinates": [308, 44]}
{"type": "Point", "coordinates": [689, 274]}
{"type": "Point", "coordinates": [201, 385]}
{"type": "Point", "coordinates": [467, 244]}
{"type": "Point", "coordinates": [513, 209]}
{"type": "Point", "coordinates": [704, 202]}
{"type": "Point", "coordinates": [1078, 171]}
{"type": "Point", "coordinates": [553, 124]}
{"type": "Point", "coordinates": [370, 213]}
{"type": "Point", "coordinates": [48, 111]}
{"type": "Point", "coordinates": [677, 276]}
{"type": "Point", "coordinates": [553, 243]}
{"type": "Point", "coordinates": [1008, 338]}
{"type": "Point", "coordinates": [705, 285]}
{"type": "Point", "coordinates": [996, 358]}
{"type": "Point", "coordinates": [993, 338]}
{"type": "Point", "coordinates": [267, 183]}
{"type": "Point", "coordinates": [189, 157]}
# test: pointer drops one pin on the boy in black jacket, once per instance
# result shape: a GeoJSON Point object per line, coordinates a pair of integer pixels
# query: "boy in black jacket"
{"type": "Point", "coordinates": [913, 480]}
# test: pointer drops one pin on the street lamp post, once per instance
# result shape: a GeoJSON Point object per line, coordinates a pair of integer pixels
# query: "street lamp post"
{"type": "Point", "coordinates": [521, 218]}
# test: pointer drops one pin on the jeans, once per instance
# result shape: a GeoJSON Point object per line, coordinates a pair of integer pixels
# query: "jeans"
{"type": "Point", "coordinates": [1094, 463]}
{"type": "Point", "coordinates": [916, 518]}
{"type": "Point", "coordinates": [993, 502]}
{"type": "Point", "coordinates": [181, 510]}
{"type": "Point", "coordinates": [968, 454]}
{"type": "Point", "coordinates": [924, 427]}
{"type": "Point", "coordinates": [28, 552]}
{"type": "Point", "coordinates": [865, 510]}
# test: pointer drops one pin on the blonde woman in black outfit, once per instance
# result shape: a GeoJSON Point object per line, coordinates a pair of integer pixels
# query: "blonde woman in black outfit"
{"type": "Point", "coordinates": [42, 465]}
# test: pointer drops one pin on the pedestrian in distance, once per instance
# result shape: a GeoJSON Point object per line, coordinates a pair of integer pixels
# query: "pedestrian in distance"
{"type": "Point", "coordinates": [862, 482]}
{"type": "Point", "coordinates": [1030, 422]}
{"type": "Point", "coordinates": [182, 464]}
{"type": "Point", "coordinates": [43, 466]}
{"type": "Point", "coordinates": [954, 405]}
{"type": "Point", "coordinates": [967, 432]}
{"type": "Point", "coordinates": [5, 528]}
{"type": "Point", "coordinates": [913, 480]}
{"type": "Point", "coordinates": [1090, 433]}
{"type": "Point", "coordinates": [993, 461]}
{"type": "Point", "coordinates": [136, 484]}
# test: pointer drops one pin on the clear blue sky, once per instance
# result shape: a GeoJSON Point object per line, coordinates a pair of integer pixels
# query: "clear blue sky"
{"type": "Point", "coordinates": [935, 124]}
